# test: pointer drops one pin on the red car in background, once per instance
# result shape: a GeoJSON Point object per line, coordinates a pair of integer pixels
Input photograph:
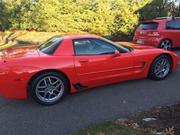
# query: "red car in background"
{"type": "Point", "coordinates": [71, 64]}
{"type": "Point", "coordinates": [161, 32]}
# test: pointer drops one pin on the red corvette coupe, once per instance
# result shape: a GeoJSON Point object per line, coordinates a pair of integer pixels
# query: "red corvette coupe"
{"type": "Point", "coordinates": [76, 63]}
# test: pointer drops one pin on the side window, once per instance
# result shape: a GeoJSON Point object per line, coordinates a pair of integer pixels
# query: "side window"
{"type": "Point", "coordinates": [50, 46]}
{"type": "Point", "coordinates": [93, 47]}
{"type": "Point", "coordinates": [173, 25]}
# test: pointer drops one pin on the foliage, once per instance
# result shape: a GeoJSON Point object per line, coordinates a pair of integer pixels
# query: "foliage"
{"type": "Point", "coordinates": [160, 8]}
{"type": "Point", "coordinates": [104, 17]}
{"type": "Point", "coordinates": [3, 16]}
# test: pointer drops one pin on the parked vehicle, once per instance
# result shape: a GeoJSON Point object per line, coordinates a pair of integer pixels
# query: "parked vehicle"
{"type": "Point", "coordinates": [161, 32]}
{"type": "Point", "coordinates": [72, 64]}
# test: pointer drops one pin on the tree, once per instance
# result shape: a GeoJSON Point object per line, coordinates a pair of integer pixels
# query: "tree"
{"type": "Point", "coordinates": [159, 8]}
{"type": "Point", "coordinates": [4, 24]}
{"type": "Point", "coordinates": [20, 13]}
{"type": "Point", "coordinates": [126, 18]}
{"type": "Point", "coordinates": [104, 17]}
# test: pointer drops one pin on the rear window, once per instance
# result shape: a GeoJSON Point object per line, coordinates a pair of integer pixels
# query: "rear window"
{"type": "Point", "coordinates": [175, 25]}
{"type": "Point", "coordinates": [50, 46]}
{"type": "Point", "coordinates": [148, 26]}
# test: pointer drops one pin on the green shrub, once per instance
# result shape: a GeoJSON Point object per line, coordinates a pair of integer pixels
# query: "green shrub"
{"type": "Point", "coordinates": [104, 17]}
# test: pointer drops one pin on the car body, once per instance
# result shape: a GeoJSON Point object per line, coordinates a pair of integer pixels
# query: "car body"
{"type": "Point", "coordinates": [161, 32]}
{"type": "Point", "coordinates": [81, 67]}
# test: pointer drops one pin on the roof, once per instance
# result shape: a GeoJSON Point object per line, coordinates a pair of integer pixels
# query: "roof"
{"type": "Point", "coordinates": [80, 36]}
{"type": "Point", "coordinates": [162, 19]}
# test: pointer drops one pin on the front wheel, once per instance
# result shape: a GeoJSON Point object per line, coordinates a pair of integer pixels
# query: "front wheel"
{"type": "Point", "coordinates": [48, 88]}
{"type": "Point", "coordinates": [160, 68]}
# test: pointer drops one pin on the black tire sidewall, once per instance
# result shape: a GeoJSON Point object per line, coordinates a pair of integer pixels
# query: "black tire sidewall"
{"type": "Point", "coordinates": [152, 74]}
{"type": "Point", "coordinates": [41, 76]}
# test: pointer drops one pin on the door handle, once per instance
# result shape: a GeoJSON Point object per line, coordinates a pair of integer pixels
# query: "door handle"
{"type": "Point", "coordinates": [83, 61]}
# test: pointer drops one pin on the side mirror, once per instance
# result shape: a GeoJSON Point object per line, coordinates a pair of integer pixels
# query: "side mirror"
{"type": "Point", "coordinates": [116, 53]}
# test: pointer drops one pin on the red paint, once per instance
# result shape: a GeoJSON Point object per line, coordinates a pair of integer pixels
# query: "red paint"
{"type": "Point", "coordinates": [21, 64]}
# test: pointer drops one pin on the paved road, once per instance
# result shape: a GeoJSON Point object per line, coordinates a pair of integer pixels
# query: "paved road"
{"type": "Point", "coordinates": [79, 110]}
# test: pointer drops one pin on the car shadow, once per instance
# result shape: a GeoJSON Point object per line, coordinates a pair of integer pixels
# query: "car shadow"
{"type": "Point", "coordinates": [176, 50]}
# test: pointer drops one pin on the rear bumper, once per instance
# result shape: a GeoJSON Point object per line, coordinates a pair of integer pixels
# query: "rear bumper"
{"type": "Point", "coordinates": [151, 41]}
{"type": "Point", "coordinates": [14, 93]}
{"type": "Point", "coordinates": [13, 88]}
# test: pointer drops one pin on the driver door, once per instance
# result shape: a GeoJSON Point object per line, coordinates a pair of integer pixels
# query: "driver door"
{"type": "Point", "coordinates": [96, 62]}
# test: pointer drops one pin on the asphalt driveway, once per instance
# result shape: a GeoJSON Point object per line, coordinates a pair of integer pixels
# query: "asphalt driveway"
{"type": "Point", "coordinates": [25, 117]}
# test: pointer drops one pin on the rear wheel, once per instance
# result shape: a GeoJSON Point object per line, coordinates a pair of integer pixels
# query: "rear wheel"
{"type": "Point", "coordinates": [48, 88]}
{"type": "Point", "coordinates": [166, 44]}
{"type": "Point", "coordinates": [160, 68]}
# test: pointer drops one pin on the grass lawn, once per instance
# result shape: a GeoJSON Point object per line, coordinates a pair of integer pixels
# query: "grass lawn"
{"type": "Point", "coordinates": [31, 36]}
{"type": "Point", "coordinates": [109, 128]}
{"type": "Point", "coordinates": [5, 46]}
{"type": "Point", "coordinates": [25, 38]}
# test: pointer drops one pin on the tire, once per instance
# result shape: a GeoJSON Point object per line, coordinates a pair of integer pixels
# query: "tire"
{"type": "Point", "coordinates": [160, 68]}
{"type": "Point", "coordinates": [49, 88]}
{"type": "Point", "coordinates": [166, 44]}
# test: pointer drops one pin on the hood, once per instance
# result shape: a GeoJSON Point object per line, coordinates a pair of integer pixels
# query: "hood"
{"type": "Point", "coordinates": [139, 47]}
{"type": "Point", "coordinates": [17, 52]}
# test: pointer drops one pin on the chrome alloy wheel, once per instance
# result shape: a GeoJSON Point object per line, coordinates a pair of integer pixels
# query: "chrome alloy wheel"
{"type": "Point", "coordinates": [162, 68]}
{"type": "Point", "coordinates": [49, 89]}
{"type": "Point", "coordinates": [166, 44]}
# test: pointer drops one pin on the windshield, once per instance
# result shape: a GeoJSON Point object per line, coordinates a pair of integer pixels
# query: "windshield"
{"type": "Point", "coordinates": [121, 48]}
{"type": "Point", "coordinates": [148, 26]}
{"type": "Point", "coordinates": [50, 46]}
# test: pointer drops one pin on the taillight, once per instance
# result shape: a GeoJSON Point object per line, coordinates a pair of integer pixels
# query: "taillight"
{"type": "Point", "coordinates": [153, 34]}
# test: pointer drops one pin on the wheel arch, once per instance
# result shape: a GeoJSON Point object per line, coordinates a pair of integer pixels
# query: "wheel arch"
{"type": "Point", "coordinates": [171, 58]}
{"type": "Point", "coordinates": [166, 39]}
{"type": "Point", "coordinates": [167, 54]}
{"type": "Point", "coordinates": [48, 70]}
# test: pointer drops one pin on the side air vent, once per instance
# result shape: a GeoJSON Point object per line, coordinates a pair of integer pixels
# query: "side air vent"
{"type": "Point", "coordinates": [79, 86]}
